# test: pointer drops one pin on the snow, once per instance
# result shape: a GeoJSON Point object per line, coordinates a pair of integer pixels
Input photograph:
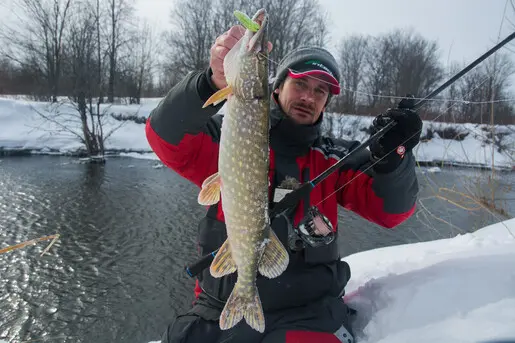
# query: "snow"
{"type": "Point", "coordinates": [460, 289]}
{"type": "Point", "coordinates": [24, 129]}
{"type": "Point", "coordinates": [474, 150]}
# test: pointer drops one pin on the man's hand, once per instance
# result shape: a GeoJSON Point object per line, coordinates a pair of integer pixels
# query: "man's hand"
{"type": "Point", "coordinates": [223, 43]}
{"type": "Point", "coordinates": [220, 48]}
{"type": "Point", "coordinates": [399, 140]}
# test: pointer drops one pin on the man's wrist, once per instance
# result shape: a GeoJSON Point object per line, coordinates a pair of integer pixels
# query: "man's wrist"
{"type": "Point", "coordinates": [205, 86]}
{"type": "Point", "coordinates": [386, 164]}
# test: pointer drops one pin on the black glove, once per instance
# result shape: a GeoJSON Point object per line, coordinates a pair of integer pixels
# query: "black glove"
{"type": "Point", "coordinates": [400, 139]}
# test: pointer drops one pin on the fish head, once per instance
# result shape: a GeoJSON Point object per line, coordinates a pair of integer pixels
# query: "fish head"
{"type": "Point", "coordinates": [246, 64]}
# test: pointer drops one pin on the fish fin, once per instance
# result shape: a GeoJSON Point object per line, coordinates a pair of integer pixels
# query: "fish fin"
{"type": "Point", "coordinates": [210, 192]}
{"type": "Point", "coordinates": [275, 258]}
{"type": "Point", "coordinates": [223, 263]}
{"type": "Point", "coordinates": [218, 97]}
{"type": "Point", "coordinates": [241, 305]}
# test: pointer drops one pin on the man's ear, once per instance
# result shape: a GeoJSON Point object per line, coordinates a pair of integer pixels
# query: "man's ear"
{"type": "Point", "coordinates": [278, 89]}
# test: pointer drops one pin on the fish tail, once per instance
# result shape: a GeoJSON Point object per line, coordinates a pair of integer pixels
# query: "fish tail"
{"type": "Point", "coordinates": [241, 304]}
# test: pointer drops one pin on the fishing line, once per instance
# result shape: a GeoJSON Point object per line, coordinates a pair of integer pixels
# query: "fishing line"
{"type": "Point", "coordinates": [373, 164]}
{"type": "Point", "coordinates": [419, 131]}
{"type": "Point", "coordinates": [465, 102]}
{"type": "Point", "coordinates": [392, 151]}
{"type": "Point", "coordinates": [380, 159]}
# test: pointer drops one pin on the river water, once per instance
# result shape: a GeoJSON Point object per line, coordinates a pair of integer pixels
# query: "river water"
{"type": "Point", "coordinates": [127, 229]}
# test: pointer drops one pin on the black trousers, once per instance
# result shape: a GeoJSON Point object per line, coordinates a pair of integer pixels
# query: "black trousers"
{"type": "Point", "coordinates": [326, 316]}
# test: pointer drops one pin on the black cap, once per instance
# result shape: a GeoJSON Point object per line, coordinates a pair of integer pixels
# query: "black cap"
{"type": "Point", "coordinates": [307, 61]}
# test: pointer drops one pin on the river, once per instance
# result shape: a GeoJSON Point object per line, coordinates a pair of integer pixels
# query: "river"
{"type": "Point", "coordinates": [127, 229]}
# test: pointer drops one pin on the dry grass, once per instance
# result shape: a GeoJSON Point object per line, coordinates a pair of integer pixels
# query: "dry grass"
{"type": "Point", "coordinates": [480, 193]}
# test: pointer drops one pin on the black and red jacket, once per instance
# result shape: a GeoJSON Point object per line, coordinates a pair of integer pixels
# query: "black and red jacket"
{"type": "Point", "coordinates": [186, 139]}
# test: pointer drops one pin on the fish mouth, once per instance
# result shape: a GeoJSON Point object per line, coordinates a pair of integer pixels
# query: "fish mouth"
{"type": "Point", "coordinates": [259, 41]}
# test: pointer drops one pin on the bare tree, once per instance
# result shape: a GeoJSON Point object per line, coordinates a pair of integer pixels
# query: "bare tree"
{"type": "Point", "coordinates": [120, 13]}
{"type": "Point", "coordinates": [352, 52]}
{"type": "Point", "coordinates": [20, 79]}
{"type": "Point", "coordinates": [292, 24]}
{"type": "Point", "coordinates": [79, 115]}
{"type": "Point", "coordinates": [223, 16]}
{"type": "Point", "coordinates": [450, 109]}
{"type": "Point", "coordinates": [321, 33]}
{"type": "Point", "coordinates": [7, 75]}
{"type": "Point", "coordinates": [192, 35]}
{"type": "Point", "coordinates": [417, 63]}
{"type": "Point", "coordinates": [140, 63]}
{"type": "Point", "coordinates": [81, 44]}
{"type": "Point", "coordinates": [38, 40]}
{"type": "Point", "coordinates": [97, 16]}
{"type": "Point", "coordinates": [377, 71]}
{"type": "Point", "coordinates": [401, 62]}
{"type": "Point", "coordinates": [488, 82]}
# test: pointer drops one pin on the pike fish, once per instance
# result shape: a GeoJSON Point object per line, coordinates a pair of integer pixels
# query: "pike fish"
{"type": "Point", "coordinates": [241, 183]}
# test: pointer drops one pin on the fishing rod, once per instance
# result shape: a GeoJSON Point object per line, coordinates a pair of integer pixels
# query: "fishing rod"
{"type": "Point", "coordinates": [292, 199]}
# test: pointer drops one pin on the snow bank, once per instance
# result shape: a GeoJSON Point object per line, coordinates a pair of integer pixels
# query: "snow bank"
{"type": "Point", "coordinates": [22, 128]}
{"type": "Point", "coordinates": [451, 290]}
{"type": "Point", "coordinates": [458, 144]}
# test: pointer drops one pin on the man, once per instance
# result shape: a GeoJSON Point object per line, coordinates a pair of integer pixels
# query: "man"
{"type": "Point", "coordinates": [305, 303]}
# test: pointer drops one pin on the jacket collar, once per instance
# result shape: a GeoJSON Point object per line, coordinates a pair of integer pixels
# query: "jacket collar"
{"type": "Point", "coordinates": [286, 136]}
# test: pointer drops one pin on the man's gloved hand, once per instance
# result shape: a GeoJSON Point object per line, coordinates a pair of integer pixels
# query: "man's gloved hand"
{"type": "Point", "coordinates": [400, 139]}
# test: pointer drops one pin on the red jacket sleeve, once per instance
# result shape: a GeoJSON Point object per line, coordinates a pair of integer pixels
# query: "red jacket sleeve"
{"type": "Point", "coordinates": [195, 157]}
{"type": "Point", "coordinates": [385, 199]}
{"type": "Point", "coordinates": [182, 134]}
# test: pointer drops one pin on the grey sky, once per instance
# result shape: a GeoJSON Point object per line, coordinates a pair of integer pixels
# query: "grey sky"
{"type": "Point", "coordinates": [464, 29]}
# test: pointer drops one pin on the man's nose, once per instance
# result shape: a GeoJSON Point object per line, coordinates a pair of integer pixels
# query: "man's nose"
{"type": "Point", "coordinates": [308, 96]}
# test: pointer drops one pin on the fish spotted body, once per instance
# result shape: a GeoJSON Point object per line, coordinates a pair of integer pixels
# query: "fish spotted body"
{"type": "Point", "coordinates": [241, 183]}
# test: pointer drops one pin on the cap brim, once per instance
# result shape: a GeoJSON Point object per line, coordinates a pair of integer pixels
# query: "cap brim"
{"type": "Point", "coordinates": [334, 86]}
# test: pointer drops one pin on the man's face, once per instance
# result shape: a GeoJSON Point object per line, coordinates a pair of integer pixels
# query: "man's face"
{"type": "Point", "coordinates": [303, 99]}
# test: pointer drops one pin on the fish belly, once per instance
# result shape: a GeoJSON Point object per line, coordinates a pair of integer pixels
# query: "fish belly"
{"type": "Point", "coordinates": [243, 168]}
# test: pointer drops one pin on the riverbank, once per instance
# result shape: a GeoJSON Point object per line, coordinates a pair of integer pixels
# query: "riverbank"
{"type": "Point", "coordinates": [25, 132]}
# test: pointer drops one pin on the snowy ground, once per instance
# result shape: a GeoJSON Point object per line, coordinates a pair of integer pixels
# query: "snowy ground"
{"type": "Point", "coordinates": [452, 290]}
{"type": "Point", "coordinates": [474, 150]}
{"type": "Point", "coordinates": [23, 129]}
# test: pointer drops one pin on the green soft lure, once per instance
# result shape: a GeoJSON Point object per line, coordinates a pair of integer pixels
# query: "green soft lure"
{"type": "Point", "coordinates": [246, 21]}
